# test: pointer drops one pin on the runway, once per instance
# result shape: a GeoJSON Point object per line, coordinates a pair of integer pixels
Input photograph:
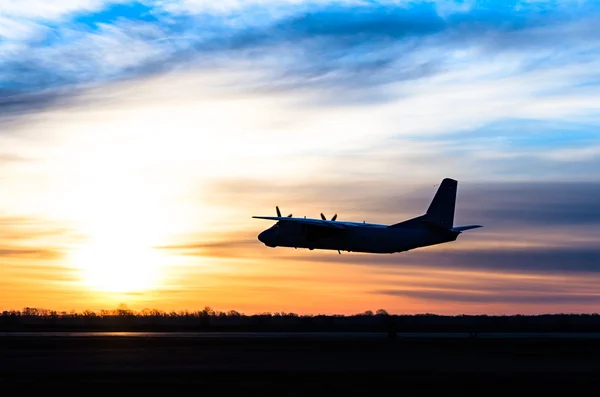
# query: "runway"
{"type": "Point", "coordinates": [300, 364]}
{"type": "Point", "coordinates": [309, 335]}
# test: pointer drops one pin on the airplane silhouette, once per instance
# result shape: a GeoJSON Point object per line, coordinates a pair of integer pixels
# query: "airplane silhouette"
{"type": "Point", "coordinates": [434, 227]}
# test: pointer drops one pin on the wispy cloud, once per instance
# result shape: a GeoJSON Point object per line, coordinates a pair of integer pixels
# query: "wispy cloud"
{"type": "Point", "coordinates": [19, 274]}
{"type": "Point", "coordinates": [26, 238]}
{"type": "Point", "coordinates": [52, 11]}
{"type": "Point", "coordinates": [29, 253]}
{"type": "Point", "coordinates": [224, 247]}
{"type": "Point", "coordinates": [506, 297]}
{"type": "Point", "coordinates": [331, 44]}
{"type": "Point", "coordinates": [498, 205]}
{"type": "Point", "coordinates": [170, 123]}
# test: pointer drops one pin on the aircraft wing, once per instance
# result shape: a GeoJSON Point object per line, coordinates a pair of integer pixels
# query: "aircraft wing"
{"type": "Point", "coordinates": [307, 221]}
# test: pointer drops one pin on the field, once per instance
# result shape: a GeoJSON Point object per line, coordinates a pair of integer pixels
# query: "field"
{"type": "Point", "coordinates": [295, 364]}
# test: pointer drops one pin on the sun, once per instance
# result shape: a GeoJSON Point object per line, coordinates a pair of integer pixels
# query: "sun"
{"type": "Point", "coordinates": [121, 232]}
{"type": "Point", "coordinates": [119, 266]}
{"type": "Point", "coordinates": [123, 188]}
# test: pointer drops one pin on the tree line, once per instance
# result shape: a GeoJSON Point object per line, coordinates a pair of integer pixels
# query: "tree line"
{"type": "Point", "coordinates": [207, 319]}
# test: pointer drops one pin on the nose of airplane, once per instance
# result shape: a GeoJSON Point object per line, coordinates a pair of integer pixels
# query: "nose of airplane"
{"type": "Point", "coordinates": [267, 238]}
{"type": "Point", "coordinates": [262, 236]}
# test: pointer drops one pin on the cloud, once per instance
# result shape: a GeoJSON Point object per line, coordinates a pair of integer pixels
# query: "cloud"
{"type": "Point", "coordinates": [495, 288]}
{"type": "Point", "coordinates": [221, 110]}
{"type": "Point", "coordinates": [549, 204]}
{"type": "Point", "coordinates": [9, 158]}
{"type": "Point", "coordinates": [529, 228]}
{"type": "Point", "coordinates": [42, 253]}
{"type": "Point", "coordinates": [30, 238]}
{"type": "Point", "coordinates": [365, 45]}
{"type": "Point", "coordinates": [368, 46]}
{"type": "Point", "coordinates": [498, 205]}
{"type": "Point", "coordinates": [24, 227]}
{"type": "Point", "coordinates": [532, 260]}
{"type": "Point", "coordinates": [16, 103]}
{"type": "Point", "coordinates": [507, 297]}
{"type": "Point", "coordinates": [51, 11]}
{"type": "Point", "coordinates": [32, 273]}
{"type": "Point", "coordinates": [15, 32]}
{"type": "Point", "coordinates": [93, 56]}
{"type": "Point", "coordinates": [226, 247]}
{"type": "Point", "coordinates": [203, 6]}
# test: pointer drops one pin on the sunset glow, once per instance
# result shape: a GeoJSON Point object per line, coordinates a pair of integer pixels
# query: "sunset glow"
{"type": "Point", "coordinates": [138, 139]}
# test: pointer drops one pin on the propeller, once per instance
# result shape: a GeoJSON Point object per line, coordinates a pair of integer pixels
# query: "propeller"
{"type": "Point", "coordinates": [279, 212]}
{"type": "Point", "coordinates": [333, 219]}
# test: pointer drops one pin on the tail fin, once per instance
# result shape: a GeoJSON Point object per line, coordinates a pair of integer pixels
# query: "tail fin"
{"type": "Point", "coordinates": [441, 209]}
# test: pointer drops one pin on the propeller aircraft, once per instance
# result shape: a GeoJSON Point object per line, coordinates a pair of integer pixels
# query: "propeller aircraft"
{"type": "Point", "coordinates": [432, 228]}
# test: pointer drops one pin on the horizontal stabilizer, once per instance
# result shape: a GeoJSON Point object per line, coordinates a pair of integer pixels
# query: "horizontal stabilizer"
{"type": "Point", "coordinates": [460, 229]}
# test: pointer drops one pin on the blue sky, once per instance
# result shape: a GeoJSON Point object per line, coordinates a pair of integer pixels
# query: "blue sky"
{"type": "Point", "coordinates": [351, 52]}
{"type": "Point", "coordinates": [357, 107]}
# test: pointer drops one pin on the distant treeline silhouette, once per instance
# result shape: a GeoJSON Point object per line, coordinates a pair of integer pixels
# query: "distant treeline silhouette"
{"type": "Point", "coordinates": [207, 319]}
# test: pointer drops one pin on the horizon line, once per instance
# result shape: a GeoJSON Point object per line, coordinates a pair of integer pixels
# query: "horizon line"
{"type": "Point", "coordinates": [123, 310]}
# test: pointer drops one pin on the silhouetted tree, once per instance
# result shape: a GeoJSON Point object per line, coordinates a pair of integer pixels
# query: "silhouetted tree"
{"type": "Point", "coordinates": [123, 311]}
{"type": "Point", "coordinates": [123, 318]}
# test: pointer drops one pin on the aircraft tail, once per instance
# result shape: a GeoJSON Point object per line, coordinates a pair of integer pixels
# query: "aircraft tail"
{"type": "Point", "coordinates": [440, 214]}
{"type": "Point", "coordinates": [441, 209]}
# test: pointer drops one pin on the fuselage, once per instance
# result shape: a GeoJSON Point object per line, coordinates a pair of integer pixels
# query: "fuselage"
{"type": "Point", "coordinates": [361, 237]}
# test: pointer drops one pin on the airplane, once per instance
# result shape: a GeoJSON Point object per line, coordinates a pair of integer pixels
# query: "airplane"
{"type": "Point", "coordinates": [432, 228]}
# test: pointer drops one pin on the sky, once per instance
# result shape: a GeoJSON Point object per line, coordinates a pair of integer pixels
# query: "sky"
{"type": "Point", "coordinates": [138, 139]}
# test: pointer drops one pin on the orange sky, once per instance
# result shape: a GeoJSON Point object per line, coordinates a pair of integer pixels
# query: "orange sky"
{"type": "Point", "coordinates": [139, 188]}
{"type": "Point", "coordinates": [99, 192]}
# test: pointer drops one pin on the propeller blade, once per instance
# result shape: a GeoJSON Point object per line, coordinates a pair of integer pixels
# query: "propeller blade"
{"type": "Point", "coordinates": [334, 217]}
{"type": "Point", "coordinates": [278, 212]}
{"type": "Point", "coordinates": [323, 217]}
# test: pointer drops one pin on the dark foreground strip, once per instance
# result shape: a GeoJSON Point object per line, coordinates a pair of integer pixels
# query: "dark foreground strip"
{"type": "Point", "coordinates": [283, 383]}
{"type": "Point", "coordinates": [214, 367]}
